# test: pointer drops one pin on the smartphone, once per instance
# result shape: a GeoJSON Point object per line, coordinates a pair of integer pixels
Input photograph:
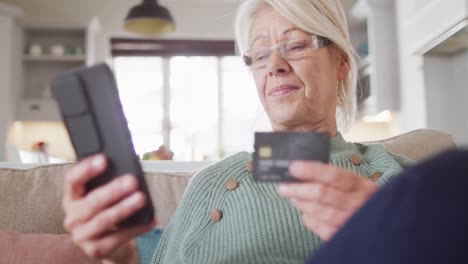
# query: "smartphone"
{"type": "Point", "coordinates": [90, 107]}
{"type": "Point", "coordinates": [275, 151]}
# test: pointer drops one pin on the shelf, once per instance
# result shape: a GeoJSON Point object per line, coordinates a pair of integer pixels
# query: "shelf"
{"type": "Point", "coordinates": [38, 109]}
{"type": "Point", "coordinates": [35, 74]}
{"type": "Point", "coordinates": [454, 41]}
{"type": "Point", "coordinates": [10, 10]}
{"type": "Point", "coordinates": [50, 58]}
{"type": "Point", "coordinates": [433, 23]}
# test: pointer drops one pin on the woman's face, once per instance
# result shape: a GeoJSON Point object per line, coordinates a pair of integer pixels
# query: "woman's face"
{"type": "Point", "coordinates": [299, 94]}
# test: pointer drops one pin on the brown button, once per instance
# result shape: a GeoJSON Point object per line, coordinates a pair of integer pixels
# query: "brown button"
{"type": "Point", "coordinates": [376, 175]}
{"type": "Point", "coordinates": [356, 159]}
{"type": "Point", "coordinates": [249, 166]}
{"type": "Point", "coordinates": [216, 215]}
{"type": "Point", "coordinates": [232, 184]}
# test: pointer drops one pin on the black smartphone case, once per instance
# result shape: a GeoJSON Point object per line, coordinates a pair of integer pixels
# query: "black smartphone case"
{"type": "Point", "coordinates": [91, 110]}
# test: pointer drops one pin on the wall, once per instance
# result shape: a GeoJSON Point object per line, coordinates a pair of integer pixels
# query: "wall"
{"type": "Point", "coordinates": [447, 94]}
{"type": "Point", "coordinates": [7, 94]}
{"type": "Point", "coordinates": [461, 86]}
{"type": "Point", "coordinates": [5, 25]}
{"type": "Point", "coordinates": [433, 89]}
{"type": "Point", "coordinates": [193, 20]}
{"type": "Point", "coordinates": [25, 134]}
{"type": "Point", "coordinates": [412, 90]}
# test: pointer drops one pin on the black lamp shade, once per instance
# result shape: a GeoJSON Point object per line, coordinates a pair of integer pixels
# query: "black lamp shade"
{"type": "Point", "coordinates": [149, 18]}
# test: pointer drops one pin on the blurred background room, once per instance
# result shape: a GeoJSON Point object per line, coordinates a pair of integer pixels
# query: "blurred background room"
{"type": "Point", "coordinates": [188, 97]}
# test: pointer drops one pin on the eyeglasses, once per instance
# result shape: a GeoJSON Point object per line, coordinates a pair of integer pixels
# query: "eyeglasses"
{"type": "Point", "coordinates": [289, 49]}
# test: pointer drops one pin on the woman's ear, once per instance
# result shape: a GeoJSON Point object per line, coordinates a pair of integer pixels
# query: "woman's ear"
{"type": "Point", "coordinates": [342, 63]}
{"type": "Point", "coordinates": [343, 67]}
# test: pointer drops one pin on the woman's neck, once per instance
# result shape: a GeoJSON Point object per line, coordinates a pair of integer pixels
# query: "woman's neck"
{"type": "Point", "coordinates": [329, 129]}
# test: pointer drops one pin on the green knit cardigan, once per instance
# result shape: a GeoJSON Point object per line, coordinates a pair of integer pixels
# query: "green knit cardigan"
{"type": "Point", "coordinates": [257, 225]}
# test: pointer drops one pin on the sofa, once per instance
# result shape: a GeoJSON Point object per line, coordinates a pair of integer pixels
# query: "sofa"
{"type": "Point", "coordinates": [31, 229]}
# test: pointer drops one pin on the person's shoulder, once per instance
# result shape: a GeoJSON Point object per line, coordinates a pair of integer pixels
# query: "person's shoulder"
{"type": "Point", "coordinates": [378, 153]}
{"type": "Point", "coordinates": [230, 163]}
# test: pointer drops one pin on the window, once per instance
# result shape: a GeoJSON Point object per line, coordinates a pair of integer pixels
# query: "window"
{"type": "Point", "coordinates": [202, 104]}
{"type": "Point", "coordinates": [194, 107]}
{"type": "Point", "coordinates": [140, 83]}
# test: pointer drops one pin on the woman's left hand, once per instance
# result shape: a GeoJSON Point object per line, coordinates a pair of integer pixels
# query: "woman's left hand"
{"type": "Point", "coordinates": [327, 196]}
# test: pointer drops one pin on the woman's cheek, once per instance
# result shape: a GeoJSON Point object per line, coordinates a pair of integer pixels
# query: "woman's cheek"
{"type": "Point", "coordinates": [313, 82]}
{"type": "Point", "coordinates": [260, 84]}
{"type": "Point", "coordinates": [312, 88]}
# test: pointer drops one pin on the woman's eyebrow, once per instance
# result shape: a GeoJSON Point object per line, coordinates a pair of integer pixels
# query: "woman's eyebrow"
{"type": "Point", "coordinates": [257, 38]}
{"type": "Point", "coordinates": [289, 30]}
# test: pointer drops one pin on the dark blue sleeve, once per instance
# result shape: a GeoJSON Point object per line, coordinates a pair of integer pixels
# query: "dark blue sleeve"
{"type": "Point", "coordinates": [421, 216]}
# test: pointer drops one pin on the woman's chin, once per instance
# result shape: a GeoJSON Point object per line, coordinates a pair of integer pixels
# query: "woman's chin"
{"type": "Point", "coordinates": [284, 119]}
{"type": "Point", "coordinates": [285, 113]}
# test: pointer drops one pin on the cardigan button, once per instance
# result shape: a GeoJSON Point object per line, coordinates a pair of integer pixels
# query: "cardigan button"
{"type": "Point", "coordinates": [356, 159]}
{"type": "Point", "coordinates": [216, 215]}
{"type": "Point", "coordinates": [232, 184]}
{"type": "Point", "coordinates": [376, 175]}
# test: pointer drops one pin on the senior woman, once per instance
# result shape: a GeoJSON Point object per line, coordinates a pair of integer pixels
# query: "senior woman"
{"type": "Point", "coordinates": [302, 61]}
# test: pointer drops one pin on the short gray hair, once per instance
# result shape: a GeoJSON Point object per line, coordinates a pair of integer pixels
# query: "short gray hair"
{"type": "Point", "coordinates": [320, 17]}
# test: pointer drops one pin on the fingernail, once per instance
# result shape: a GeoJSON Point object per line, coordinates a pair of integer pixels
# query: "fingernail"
{"type": "Point", "coordinates": [294, 166]}
{"type": "Point", "coordinates": [98, 162]}
{"type": "Point", "coordinates": [135, 199]}
{"type": "Point", "coordinates": [127, 182]}
{"type": "Point", "coordinates": [283, 189]}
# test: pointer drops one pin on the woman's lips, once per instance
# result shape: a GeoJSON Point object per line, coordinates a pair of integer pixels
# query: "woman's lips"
{"type": "Point", "coordinates": [282, 90]}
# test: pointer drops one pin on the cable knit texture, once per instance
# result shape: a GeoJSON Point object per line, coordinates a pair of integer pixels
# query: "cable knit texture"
{"type": "Point", "coordinates": [257, 225]}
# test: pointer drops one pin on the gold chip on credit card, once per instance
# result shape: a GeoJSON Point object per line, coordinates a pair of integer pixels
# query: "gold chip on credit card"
{"type": "Point", "coordinates": [264, 152]}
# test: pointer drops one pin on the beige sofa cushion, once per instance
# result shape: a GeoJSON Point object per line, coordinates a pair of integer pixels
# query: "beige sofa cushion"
{"type": "Point", "coordinates": [167, 189]}
{"type": "Point", "coordinates": [419, 144]}
{"type": "Point", "coordinates": [30, 200]}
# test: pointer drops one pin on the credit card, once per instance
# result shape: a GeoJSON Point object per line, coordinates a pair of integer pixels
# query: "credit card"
{"type": "Point", "coordinates": [275, 151]}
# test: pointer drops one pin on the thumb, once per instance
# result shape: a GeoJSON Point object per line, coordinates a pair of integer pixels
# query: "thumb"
{"type": "Point", "coordinates": [304, 169]}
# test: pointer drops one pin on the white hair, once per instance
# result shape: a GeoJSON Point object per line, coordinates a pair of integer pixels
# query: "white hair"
{"type": "Point", "coordinates": [324, 18]}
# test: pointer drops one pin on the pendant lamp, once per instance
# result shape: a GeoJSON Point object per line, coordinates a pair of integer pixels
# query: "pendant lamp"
{"type": "Point", "coordinates": [149, 18]}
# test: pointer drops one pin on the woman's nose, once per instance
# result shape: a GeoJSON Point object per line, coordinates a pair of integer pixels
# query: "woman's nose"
{"type": "Point", "coordinates": [277, 65]}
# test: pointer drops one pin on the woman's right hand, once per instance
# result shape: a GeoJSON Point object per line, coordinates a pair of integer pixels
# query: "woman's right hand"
{"type": "Point", "coordinates": [92, 218]}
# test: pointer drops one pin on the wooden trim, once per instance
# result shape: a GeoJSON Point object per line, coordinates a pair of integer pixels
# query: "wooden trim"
{"type": "Point", "coordinates": [168, 48]}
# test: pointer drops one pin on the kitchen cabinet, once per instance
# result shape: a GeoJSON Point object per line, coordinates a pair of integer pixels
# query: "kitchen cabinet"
{"type": "Point", "coordinates": [433, 21]}
{"type": "Point", "coordinates": [51, 47]}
